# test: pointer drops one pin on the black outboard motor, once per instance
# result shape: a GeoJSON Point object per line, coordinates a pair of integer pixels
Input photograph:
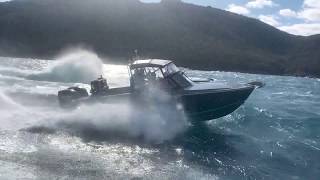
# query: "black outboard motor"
{"type": "Point", "coordinates": [99, 87]}
{"type": "Point", "coordinates": [67, 96]}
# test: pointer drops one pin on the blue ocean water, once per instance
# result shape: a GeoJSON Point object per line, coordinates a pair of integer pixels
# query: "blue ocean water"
{"type": "Point", "coordinates": [274, 135]}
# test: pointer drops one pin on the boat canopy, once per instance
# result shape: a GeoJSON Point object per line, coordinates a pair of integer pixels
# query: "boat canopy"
{"type": "Point", "coordinates": [150, 63]}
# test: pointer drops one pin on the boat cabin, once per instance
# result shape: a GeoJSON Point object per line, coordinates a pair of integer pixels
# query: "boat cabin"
{"type": "Point", "coordinates": [156, 72]}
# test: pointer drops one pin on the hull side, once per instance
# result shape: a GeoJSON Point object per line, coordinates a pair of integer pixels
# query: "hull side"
{"type": "Point", "coordinates": [209, 105]}
{"type": "Point", "coordinates": [198, 105]}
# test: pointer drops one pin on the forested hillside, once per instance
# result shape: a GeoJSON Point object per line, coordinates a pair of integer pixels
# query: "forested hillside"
{"type": "Point", "coordinates": [193, 36]}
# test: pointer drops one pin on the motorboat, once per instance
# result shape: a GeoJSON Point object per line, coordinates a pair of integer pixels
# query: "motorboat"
{"type": "Point", "coordinates": [200, 100]}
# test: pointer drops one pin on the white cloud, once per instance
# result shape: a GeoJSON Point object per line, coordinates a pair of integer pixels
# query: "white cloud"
{"type": "Point", "coordinates": [310, 11]}
{"type": "Point", "coordinates": [302, 29]}
{"type": "Point", "coordinates": [310, 14]}
{"type": "Point", "coordinates": [287, 13]}
{"type": "Point", "coordinates": [269, 19]}
{"type": "Point", "coordinates": [238, 9]}
{"type": "Point", "coordinates": [259, 4]}
{"type": "Point", "coordinates": [311, 3]}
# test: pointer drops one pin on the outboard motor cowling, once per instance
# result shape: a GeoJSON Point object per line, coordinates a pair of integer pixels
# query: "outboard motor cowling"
{"type": "Point", "coordinates": [99, 87]}
{"type": "Point", "coordinates": [67, 96]}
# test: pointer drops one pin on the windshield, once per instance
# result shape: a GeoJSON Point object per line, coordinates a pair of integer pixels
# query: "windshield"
{"type": "Point", "coordinates": [165, 77]}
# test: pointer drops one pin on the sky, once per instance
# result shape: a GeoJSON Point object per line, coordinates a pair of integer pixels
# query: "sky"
{"type": "Point", "coordinates": [299, 17]}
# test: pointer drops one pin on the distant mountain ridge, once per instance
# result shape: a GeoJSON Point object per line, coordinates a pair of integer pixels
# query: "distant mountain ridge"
{"type": "Point", "coordinates": [193, 36]}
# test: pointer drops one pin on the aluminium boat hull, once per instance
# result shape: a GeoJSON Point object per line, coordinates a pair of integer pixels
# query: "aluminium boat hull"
{"type": "Point", "coordinates": [198, 104]}
{"type": "Point", "coordinates": [212, 104]}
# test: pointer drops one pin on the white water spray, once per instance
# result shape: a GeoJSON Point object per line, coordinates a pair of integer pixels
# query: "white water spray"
{"type": "Point", "coordinates": [105, 121]}
{"type": "Point", "coordinates": [156, 120]}
{"type": "Point", "coordinates": [75, 66]}
{"type": "Point", "coordinates": [7, 103]}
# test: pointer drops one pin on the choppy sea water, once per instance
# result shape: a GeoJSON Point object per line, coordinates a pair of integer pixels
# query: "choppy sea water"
{"type": "Point", "coordinates": [274, 135]}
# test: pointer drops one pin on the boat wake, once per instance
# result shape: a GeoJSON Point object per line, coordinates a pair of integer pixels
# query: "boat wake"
{"type": "Point", "coordinates": [95, 122]}
{"type": "Point", "coordinates": [102, 122]}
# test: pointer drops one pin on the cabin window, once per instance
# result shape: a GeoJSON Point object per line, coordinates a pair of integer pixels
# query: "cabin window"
{"type": "Point", "coordinates": [170, 69]}
{"type": "Point", "coordinates": [146, 76]}
{"type": "Point", "coordinates": [181, 80]}
{"type": "Point", "coordinates": [153, 72]}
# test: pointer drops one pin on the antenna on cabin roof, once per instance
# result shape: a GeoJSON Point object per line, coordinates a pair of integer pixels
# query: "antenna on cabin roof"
{"type": "Point", "coordinates": [136, 55]}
